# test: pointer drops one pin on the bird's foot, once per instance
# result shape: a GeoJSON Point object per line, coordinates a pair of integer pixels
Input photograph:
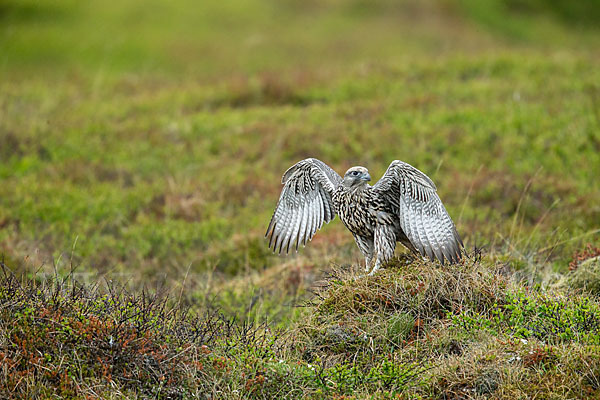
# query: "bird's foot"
{"type": "Point", "coordinates": [375, 269]}
{"type": "Point", "coordinates": [361, 276]}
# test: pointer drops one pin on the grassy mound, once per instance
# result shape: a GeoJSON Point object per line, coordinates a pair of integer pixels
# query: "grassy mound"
{"type": "Point", "coordinates": [471, 331]}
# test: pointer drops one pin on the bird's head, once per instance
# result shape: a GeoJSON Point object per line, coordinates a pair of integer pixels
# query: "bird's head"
{"type": "Point", "coordinates": [357, 176]}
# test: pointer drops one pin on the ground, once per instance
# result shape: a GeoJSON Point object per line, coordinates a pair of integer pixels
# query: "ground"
{"type": "Point", "coordinates": [143, 144]}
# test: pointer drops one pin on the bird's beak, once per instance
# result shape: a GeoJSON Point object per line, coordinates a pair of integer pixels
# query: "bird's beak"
{"type": "Point", "coordinates": [366, 177]}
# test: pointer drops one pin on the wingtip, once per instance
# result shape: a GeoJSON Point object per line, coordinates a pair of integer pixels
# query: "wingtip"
{"type": "Point", "coordinates": [271, 241]}
{"type": "Point", "coordinates": [441, 258]}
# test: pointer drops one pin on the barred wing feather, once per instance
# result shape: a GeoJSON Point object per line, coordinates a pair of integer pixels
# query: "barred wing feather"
{"type": "Point", "coordinates": [422, 216]}
{"type": "Point", "coordinates": [304, 204]}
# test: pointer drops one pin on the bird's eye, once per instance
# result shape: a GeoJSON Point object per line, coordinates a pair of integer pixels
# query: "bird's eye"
{"type": "Point", "coordinates": [355, 173]}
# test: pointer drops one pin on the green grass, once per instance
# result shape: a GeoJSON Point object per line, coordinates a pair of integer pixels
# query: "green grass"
{"type": "Point", "coordinates": [143, 143]}
{"type": "Point", "coordinates": [159, 179]}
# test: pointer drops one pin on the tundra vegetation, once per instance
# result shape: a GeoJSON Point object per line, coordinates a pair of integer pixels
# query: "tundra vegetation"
{"type": "Point", "coordinates": [142, 145]}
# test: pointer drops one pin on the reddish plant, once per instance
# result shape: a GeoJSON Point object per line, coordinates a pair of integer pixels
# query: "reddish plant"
{"type": "Point", "coordinates": [580, 256]}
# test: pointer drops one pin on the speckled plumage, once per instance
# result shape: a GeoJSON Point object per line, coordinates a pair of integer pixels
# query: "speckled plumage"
{"type": "Point", "coordinates": [402, 207]}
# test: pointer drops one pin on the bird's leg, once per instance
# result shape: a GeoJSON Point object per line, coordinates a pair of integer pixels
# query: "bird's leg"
{"type": "Point", "coordinates": [385, 244]}
{"type": "Point", "coordinates": [368, 260]}
{"type": "Point", "coordinates": [366, 247]}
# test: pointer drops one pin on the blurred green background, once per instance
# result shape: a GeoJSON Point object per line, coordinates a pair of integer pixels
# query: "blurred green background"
{"type": "Point", "coordinates": [147, 138]}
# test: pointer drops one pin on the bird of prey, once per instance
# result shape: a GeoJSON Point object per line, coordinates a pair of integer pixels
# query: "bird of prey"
{"type": "Point", "coordinates": [402, 206]}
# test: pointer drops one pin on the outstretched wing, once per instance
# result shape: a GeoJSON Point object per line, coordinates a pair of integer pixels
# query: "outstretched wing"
{"type": "Point", "coordinates": [422, 216]}
{"type": "Point", "coordinates": [304, 204]}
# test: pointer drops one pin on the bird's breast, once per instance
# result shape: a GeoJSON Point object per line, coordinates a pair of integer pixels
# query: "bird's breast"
{"type": "Point", "coordinates": [356, 211]}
